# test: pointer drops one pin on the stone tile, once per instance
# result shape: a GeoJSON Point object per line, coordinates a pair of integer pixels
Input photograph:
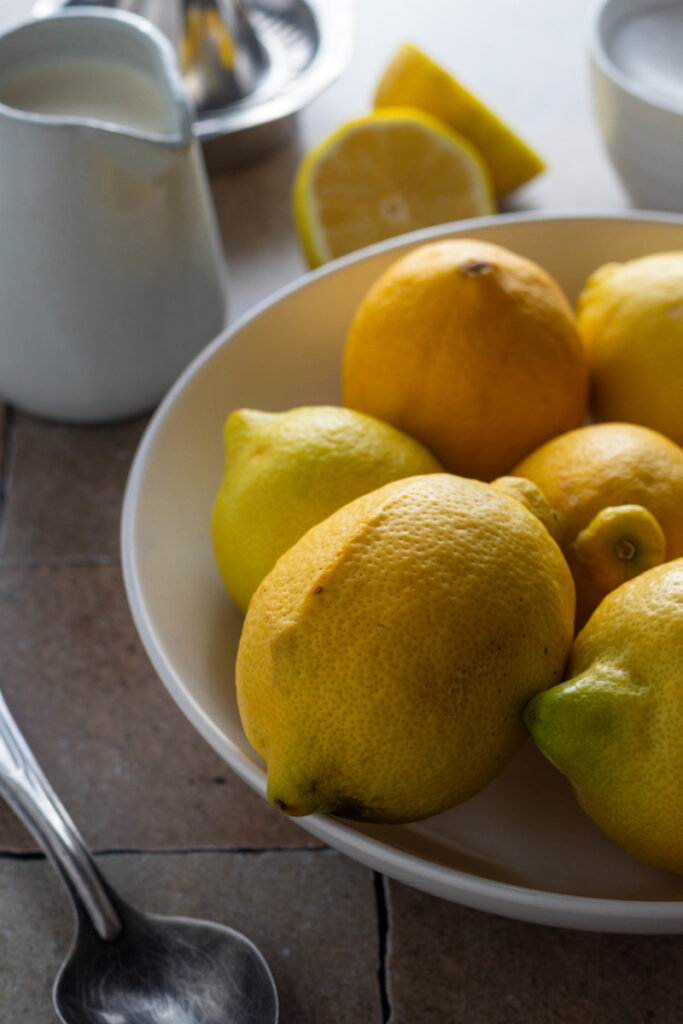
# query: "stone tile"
{"type": "Point", "coordinates": [312, 913]}
{"type": "Point", "coordinates": [64, 488]}
{"type": "Point", "coordinates": [639, 979]}
{"type": "Point", "coordinates": [129, 767]}
{"type": "Point", "coordinates": [449, 963]}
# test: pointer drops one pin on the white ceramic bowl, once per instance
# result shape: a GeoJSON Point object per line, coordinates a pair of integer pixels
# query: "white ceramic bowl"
{"type": "Point", "coordinates": [636, 61]}
{"type": "Point", "coordinates": [523, 847]}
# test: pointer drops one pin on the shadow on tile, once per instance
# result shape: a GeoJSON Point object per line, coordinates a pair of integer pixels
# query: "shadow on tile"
{"type": "Point", "coordinates": [449, 963]}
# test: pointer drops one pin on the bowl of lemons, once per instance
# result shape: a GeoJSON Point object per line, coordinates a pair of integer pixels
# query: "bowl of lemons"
{"type": "Point", "coordinates": [405, 545]}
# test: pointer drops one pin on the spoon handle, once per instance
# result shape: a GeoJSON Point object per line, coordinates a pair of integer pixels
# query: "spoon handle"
{"type": "Point", "coordinates": [33, 800]}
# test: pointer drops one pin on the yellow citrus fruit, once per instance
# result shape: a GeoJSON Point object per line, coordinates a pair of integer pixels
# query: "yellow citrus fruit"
{"type": "Point", "coordinates": [617, 491]}
{"type": "Point", "coordinates": [382, 175]}
{"type": "Point", "coordinates": [412, 79]}
{"type": "Point", "coordinates": [631, 318]}
{"type": "Point", "coordinates": [531, 496]}
{"type": "Point", "coordinates": [286, 471]}
{"type": "Point", "coordinates": [385, 660]}
{"type": "Point", "coordinates": [471, 349]}
{"type": "Point", "coordinates": [614, 727]}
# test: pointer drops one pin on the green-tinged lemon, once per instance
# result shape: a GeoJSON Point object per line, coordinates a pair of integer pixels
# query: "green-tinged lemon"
{"type": "Point", "coordinates": [614, 727]}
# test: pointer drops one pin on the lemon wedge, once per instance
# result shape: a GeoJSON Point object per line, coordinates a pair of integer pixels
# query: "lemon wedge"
{"type": "Point", "coordinates": [412, 79]}
{"type": "Point", "coordinates": [381, 175]}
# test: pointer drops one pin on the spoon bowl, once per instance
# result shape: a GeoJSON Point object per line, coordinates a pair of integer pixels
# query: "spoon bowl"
{"type": "Point", "coordinates": [172, 969]}
{"type": "Point", "coordinates": [126, 967]}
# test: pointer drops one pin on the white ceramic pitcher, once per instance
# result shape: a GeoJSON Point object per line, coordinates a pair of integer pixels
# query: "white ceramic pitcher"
{"type": "Point", "coordinates": [111, 274]}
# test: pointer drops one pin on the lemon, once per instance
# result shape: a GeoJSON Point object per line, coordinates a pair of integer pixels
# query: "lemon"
{"type": "Point", "coordinates": [617, 492]}
{"type": "Point", "coordinates": [385, 660]}
{"type": "Point", "coordinates": [532, 497]}
{"type": "Point", "coordinates": [614, 727]}
{"type": "Point", "coordinates": [286, 471]}
{"type": "Point", "coordinates": [470, 348]}
{"type": "Point", "coordinates": [631, 318]}
{"type": "Point", "coordinates": [382, 175]}
{"type": "Point", "coordinates": [413, 79]}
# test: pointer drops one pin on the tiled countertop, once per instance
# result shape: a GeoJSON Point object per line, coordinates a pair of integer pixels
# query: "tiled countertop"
{"type": "Point", "coordinates": [171, 825]}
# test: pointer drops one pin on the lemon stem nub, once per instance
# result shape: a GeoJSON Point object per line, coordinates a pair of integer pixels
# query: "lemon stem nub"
{"type": "Point", "coordinates": [625, 549]}
{"type": "Point", "coordinates": [619, 543]}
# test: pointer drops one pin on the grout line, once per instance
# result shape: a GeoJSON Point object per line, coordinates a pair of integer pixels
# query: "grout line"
{"type": "Point", "coordinates": [22, 855]}
{"type": "Point", "coordinates": [184, 851]}
{"type": "Point", "coordinates": [383, 927]}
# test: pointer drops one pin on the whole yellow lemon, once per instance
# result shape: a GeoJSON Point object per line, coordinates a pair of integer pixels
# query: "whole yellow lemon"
{"type": "Point", "coordinates": [631, 318]}
{"type": "Point", "coordinates": [385, 660]}
{"type": "Point", "coordinates": [617, 492]}
{"type": "Point", "coordinates": [285, 471]}
{"type": "Point", "coordinates": [614, 727]}
{"type": "Point", "coordinates": [471, 349]}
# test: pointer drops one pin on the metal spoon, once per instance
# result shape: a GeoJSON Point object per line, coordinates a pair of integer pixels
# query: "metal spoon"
{"type": "Point", "coordinates": [126, 967]}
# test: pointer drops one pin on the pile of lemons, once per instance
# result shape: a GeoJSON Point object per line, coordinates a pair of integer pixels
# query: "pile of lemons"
{"type": "Point", "coordinates": [415, 565]}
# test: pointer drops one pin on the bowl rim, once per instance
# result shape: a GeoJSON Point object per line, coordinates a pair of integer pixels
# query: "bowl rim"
{"type": "Point", "coordinates": [601, 58]}
{"type": "Point", "coordinates": [519, 901]}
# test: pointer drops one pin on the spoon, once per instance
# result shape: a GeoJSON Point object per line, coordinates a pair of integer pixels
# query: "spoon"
{"type": "Point", "coordinates": [126, 967]}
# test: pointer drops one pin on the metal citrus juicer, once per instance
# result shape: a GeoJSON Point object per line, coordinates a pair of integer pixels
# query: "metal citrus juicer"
{"type": "Point", "coordinates": [249, 65]}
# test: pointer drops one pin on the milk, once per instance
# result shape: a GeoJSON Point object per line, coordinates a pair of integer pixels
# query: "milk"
{"type": "Point", "coordinates": [648, 48]}
{"type": "Point", "coordinates": [100, 89]}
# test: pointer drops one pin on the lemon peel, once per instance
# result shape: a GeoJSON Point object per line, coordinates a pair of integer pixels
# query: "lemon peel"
{"type": "Point", "coordinates": [614, 726]}
{"type": "Point", "coordinates": [631, 319]}
{"type": "Point", "coordinates": [610, 482]}
{"type": "Point", "coordinates": [470, 348]}
{"type": "Point", "coordinates": [386, 658]}
{"type": "Point", "coordinates": [286, 471]}
{"type": "Point", "coordinates": [413, 79]}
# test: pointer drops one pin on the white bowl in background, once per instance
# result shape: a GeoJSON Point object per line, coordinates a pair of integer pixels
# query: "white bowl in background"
{"type": "Point", "coordinates": [522, 847]}
{"type": "Point", "coordinates": [636, 64]}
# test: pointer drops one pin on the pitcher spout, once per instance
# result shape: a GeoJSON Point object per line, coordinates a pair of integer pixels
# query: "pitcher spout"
{"type": "Point", "coordinates": [159, 115]}
{"type": "Point", "coordinates": [144, 156]}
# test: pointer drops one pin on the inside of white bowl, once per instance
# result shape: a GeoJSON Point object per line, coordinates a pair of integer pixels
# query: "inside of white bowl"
{"type": "Point", "coordinates": [640, 44]}
{"type": "Point", "coordinates": [523, 846]}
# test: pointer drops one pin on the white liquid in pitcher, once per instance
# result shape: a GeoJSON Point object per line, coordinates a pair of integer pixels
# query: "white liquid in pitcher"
{"type": "Point", "coordinates": [97, 89]}
{"type": "Point", "coordinates": [648, 49]}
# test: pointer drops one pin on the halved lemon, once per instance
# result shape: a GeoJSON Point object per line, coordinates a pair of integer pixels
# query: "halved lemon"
{"type": "Point", "coordinates": [381, 175]}
{"type": "Point", "coordinates": [412, 79]}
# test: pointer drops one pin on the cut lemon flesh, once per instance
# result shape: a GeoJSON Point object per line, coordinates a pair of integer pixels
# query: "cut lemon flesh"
{"type": "Point", "coordinates": [412, 79]}
{"type": "Point", "coordinates": [382, 175]}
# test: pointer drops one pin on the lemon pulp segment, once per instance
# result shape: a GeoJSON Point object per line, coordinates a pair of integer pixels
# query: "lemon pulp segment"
{"type": "Point", "coordinates": [382, 175]}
